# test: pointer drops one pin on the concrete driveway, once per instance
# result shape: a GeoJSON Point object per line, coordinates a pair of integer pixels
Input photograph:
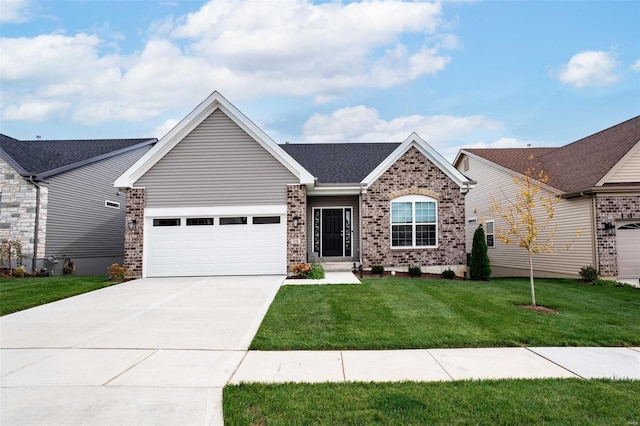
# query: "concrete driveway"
{"type": "Point", "coordinates": [148, 352]}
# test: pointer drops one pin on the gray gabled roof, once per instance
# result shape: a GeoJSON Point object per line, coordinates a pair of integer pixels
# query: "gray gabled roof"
{"type": "Point", "coordinates": [47, 157]}
{"type": "Point", "coordinates": [339, 162]}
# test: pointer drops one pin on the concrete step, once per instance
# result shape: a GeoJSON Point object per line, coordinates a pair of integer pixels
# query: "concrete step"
{"type": "Point", "coordinates": [337, 266]}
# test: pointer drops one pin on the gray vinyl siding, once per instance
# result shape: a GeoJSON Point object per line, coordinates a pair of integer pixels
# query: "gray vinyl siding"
{"type": "Point", "coordinates": [337, 201]}
{"type": "Point", "coordinates": [628, 171]}
{"type": "Point", "coordinates": [571, 215]}
{"type": "Point", "coordinates": [78, 223]}
{"type": "Point", "coordinates": [217, 164]}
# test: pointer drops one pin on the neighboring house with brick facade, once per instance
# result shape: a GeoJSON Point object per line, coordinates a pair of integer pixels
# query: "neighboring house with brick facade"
{"type": "Point", "coordinates": [598, 181]}
{"type": "Point", "coordinates": [57, 199]}
{"type": "Point", "coordinates": [217, 196]}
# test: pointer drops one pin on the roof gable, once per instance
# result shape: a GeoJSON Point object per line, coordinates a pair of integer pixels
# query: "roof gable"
{"type": "Point", "coordinates": [340, 162]}
{"type": "Point", "coordinates": [577, 166]}
{"type": "Point", "coordinates": [425, 149]}
{"type": "Point", "coordinates": [214, 102]}
{"type": "Point", "coordinates": [43, 158]}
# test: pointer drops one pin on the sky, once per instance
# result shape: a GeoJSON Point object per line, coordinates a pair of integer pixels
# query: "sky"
{"type": "Point", "coordinates": [471, 74]}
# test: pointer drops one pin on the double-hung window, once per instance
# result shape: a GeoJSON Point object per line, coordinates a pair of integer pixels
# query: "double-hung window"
{"type": "Point", "coordinates": [414, 221]}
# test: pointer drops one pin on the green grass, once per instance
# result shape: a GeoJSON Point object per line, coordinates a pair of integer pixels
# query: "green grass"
{"type": "Point", "coordinates": [17, 294]}
{"type": "Point", "coordinates": [403, 313]}
{"type": "Point", "coordinates": [501, 402]}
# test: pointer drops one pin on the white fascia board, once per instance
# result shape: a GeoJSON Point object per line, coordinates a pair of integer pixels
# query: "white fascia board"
{"type": "Point", "coordinates": [190, 122]}
{"type": "Point", "coordinates": [335, 190]}
{"type": "Point", "coordinates": [215, 211]}
{"type": "Point", "coordinates": [426, 150]}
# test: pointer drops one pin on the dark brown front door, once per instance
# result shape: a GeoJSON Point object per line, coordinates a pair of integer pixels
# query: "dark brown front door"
{"type": "Point", "coordinates": [332, 232]}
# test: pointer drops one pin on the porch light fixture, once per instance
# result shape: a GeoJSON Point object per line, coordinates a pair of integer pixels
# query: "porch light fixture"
{"type": "Point", "coordinates": [295, 220]}
{"type": "Point", "coordinates": [609, 228]}
{"type": "Point", "coordinates": [132, 224]}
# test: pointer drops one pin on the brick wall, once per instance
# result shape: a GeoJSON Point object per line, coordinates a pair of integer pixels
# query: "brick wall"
{"type": "Point", "coordinates": [134, 240]}
{"type": "Point", "coordinates": [18, 212]}
{"type": "Point", "coordinates": [608, 209]}
{"type": "Point", "coordinates": [296, 235]}
{"type": "Point", "coordinates": [413, 174]}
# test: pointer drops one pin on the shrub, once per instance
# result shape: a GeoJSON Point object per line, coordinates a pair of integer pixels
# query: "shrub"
{"type": "Point", "coordinates": [377, 269]}
{"type": "Point", "coordinates": [301, 269]}
{"type": "Point", "coordinates": [480, 267]}
{"type": "Point", "coordinates": [316, 272]}
{"type": "Point", "coordinates": [10, 250]}
{"type": "Point", "coordinates": [589, 273]}
{"type": "Point", "coordinates": [20, 272]}
{"type": "Point", "coordinates": [415, 271]}
{"type": "Point", "coordinates": [448, 274]}
{"type": "Point", "coordinates": [116, 272]}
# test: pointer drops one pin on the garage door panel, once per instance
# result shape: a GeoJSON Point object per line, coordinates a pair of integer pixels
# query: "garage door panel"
{"type": "Point", "coordinates": [237, 249]}
{"type": "Point", "coordinates": [628, 248]}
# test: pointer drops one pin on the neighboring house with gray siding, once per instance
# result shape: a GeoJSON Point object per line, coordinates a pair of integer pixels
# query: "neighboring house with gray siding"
{"type": "Point", "coordinates": [597, 179]}
{"type": "Point", "coordinates": [217, 196]}
{"type": "Point", "coordinates": [57, 199]}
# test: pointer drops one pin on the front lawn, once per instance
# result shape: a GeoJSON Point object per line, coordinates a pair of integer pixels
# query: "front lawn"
{"type": "Point", "coordinates": [501, 402]}
{"type": "Point", "coordinates": [404, 313]}
{"type": "Point", "coordinates": [17, 294]}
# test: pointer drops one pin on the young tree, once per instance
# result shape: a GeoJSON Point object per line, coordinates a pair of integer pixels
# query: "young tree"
{"type": "Point", "coordinates": [528, 218]}
{"type": "Point", "coordinates": [480, 267]}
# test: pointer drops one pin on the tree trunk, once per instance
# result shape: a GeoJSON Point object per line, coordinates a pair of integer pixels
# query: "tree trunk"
{"type": "Point", "coordinates": [533, 289]}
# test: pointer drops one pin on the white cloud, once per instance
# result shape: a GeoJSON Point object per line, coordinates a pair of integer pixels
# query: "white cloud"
{"type": "Point", "coordinates": [34, 110]}
{"type": "Point", "coordinates": [14, 11]}
{"type": "Point", "coordinates": [164, 128]}
{"type": "Point", "coordinates": [243, 49]}
{"type": "Point", "coordinates": [589, 68]}
{"type": "Point", "coordinates": [363, 124]}
{"type": "Point", "coordinates": [636, 66]}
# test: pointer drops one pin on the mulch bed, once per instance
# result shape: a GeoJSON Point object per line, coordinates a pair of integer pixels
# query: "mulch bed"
{"type": "Point", "coordinates": [541, 309]}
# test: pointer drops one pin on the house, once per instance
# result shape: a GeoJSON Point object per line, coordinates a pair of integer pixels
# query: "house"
{"type": "Point", "coordinates": [57, 199]}
{"type": "Point", "coordinates": [217, 196]}
{"type": "Point", "coordinates": [598, 181]}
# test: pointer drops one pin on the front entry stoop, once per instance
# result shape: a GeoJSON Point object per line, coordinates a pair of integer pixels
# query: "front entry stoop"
{"type": "Point", "coordinates": [338, 266]}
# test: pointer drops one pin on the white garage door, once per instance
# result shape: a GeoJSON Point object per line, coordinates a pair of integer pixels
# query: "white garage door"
{"type": "Point", "coordinates": [215, 245]}
{"type": "Point", "coordinates": [628, 247]}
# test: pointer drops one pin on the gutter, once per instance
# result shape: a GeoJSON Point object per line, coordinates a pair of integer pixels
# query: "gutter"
{"type": "Point", "coordinates": [620, 189]}
{"type": "Point", "coordinates": [37, 225]}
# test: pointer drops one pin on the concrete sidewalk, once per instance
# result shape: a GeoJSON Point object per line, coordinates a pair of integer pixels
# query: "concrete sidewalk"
{"type": "Point", "coordinates": [438, 364]}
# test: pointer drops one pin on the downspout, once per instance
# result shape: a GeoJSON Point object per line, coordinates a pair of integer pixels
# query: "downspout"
{"type": "Point", "coordinates": [37, 225]}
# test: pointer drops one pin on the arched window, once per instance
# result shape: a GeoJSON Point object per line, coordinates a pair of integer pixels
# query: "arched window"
{"type": "Point", "coordinates": [414, 222]}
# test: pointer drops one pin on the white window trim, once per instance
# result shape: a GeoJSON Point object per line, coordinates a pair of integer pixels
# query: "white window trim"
{"type": "Point", "coordinates": [115, 206]}
{"type": "Point", "coordinates": [486, 233]}
{"type": "Point", "coordinates": [413, 199]}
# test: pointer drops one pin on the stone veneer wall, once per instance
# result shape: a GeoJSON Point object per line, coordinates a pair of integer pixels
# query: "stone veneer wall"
{"type": "Point", "coordinates": [609, 209]}
{"type": "Point", "coordinates": [134, 240]}
{"type": "Point", "coordinates": [296, 235]}
{"type": "Point", "coordinates": [18, 212]}
{"type": "Point", "coordinates": [413, 173]}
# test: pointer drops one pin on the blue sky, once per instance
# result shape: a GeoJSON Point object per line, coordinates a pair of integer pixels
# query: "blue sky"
{"type": "Point", "coordinates": [460, 74]}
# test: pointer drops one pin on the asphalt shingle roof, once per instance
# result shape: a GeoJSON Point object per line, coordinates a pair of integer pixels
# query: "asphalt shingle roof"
{"type": "Point", "coordinates": [340, 162]}
{"type": "Point", "coordinates": [576, 166]}
{"type": "Point", "coordinates": [40, 156]}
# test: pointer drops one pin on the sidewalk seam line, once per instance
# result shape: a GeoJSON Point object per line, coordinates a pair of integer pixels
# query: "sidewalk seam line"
{"type": "Point", "coordinates": [553, 362]}
{"type": "Point", "coordinates": [440, 365]}
{"type": "Point", "coordinates": [131, 367]}
{"type": "Point", "coordinates": [235, 370]}
{"type": "Point", "coordinates": [344, 373]}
